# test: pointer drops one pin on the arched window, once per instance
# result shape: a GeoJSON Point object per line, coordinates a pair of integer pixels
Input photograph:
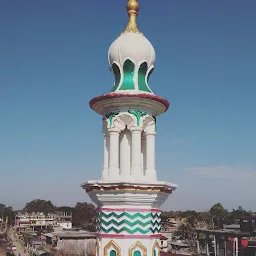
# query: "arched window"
{"type": "Point", "coordinates": [112, 253]}
{"type": "Point", "coordinates": [137, 253]}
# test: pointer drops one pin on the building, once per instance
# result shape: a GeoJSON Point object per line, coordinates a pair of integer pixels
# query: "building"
{"type": "Point", "coordinates": [69, 241]}
{"type": "Point", "coordinates": [42, 221]}
{"type": "Point", "coordinates": [129, 195]}
{"type": "Point", "coordinates": [163, 243]}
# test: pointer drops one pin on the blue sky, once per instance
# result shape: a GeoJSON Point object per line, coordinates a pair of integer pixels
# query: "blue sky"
{"type": "Point", "coordinates": [53, 60]}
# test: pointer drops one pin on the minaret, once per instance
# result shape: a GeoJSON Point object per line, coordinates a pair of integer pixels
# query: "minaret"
{"type": "Point", "coordinates": [128, 195]}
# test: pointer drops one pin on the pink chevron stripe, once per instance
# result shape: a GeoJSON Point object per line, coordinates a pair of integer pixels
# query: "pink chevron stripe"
{"type": "Point", "coordinates": [128, 209]}
{"type": "Point", "coordinates": [128, 236]}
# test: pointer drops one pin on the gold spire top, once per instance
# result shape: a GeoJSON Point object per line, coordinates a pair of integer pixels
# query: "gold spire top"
{"type": "Point", "coordinates": [132, 8]}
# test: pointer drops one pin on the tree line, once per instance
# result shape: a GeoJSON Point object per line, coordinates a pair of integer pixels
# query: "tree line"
{"type": "Point", "coordinates": [84, 215]}
{"type": "Point", "coordinates": [212, 219]}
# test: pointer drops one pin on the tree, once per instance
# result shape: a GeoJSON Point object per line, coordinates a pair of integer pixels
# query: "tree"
{"type": "Point", "coordinates": [218, 210]}
{"type": "Point", "coordinates": [65, 209]}
{"type": "Point", "coordinates": [238, 213]}
{"type": "Point", "coordinates": [39, 205]}
{"type": "Point", "coordinates": [84, 216]}
{"type": "Point", "coordinates": [7, 214]}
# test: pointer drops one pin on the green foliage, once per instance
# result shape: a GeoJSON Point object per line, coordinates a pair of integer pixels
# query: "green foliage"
{"type": "Point", "coordinates": [39, 205]}
{"type": "Point", "coordinates": [218, 210]}
{"type": "Point", "coordinates": [192, 219]}
{"type": "Point", "coordinates": [65, 209]}
{"type": "Point", "coordinates": [7, 213]}
{"type": "Point", "coordinates": [84, 216]}
{"type": "Point", "coordinates": [239, 213]}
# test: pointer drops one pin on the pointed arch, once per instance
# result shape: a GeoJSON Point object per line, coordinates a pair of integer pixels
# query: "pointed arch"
{"type": "Point", "coordinates": [112, 246]}
{"type": "Point", "coordinates": [140, 246]}
{"type": "Point", "coordinates": [156, 249]}
{"type": "Point", "coordinates": [128, 69]}
{"type": "Point", "coordinates": [142, 80]}
{"type": "Point", "coordinates": [117, 75]}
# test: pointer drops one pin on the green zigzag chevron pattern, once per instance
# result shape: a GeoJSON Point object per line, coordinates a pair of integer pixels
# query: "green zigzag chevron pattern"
{"type": "Point", "coordinates": [130, 216]}
{"type": "Point", "coordinates": [128, 230]}
{"type": "Point", "coordinates": [123, 222]}
{"type": "Point", "coordinates": [127, 222]}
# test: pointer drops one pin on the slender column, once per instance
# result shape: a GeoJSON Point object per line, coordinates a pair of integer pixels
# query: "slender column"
{"type": "Point", "coordinates": [106, 156]}
{"type": "Point", "coordinates": [143, 153]}
{"type": "Point", "coordinates": [125, 153]}
{"type": "Point", "coordinates": [150, 154]}
{"type": "Point", "coordinates": [113, 153]}
{"type": "Point", "coordinates": [136, 169]}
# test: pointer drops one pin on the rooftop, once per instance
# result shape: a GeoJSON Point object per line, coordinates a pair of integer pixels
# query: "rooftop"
{"type": "Point", "coordinates": [71, 234]}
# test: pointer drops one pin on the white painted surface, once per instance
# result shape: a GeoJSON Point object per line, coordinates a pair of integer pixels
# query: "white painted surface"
{"type": "Point", "coordinates": [136, 168]}
{"type": "Point", "coordinates": [125, 153]}
{"type": "Point", "coordinates": [150, 156]}
{"type": "Point", "coordinates": [129, 148]}
{"type": "Point", "coordinates": [135, 47]}
{"type": "Point", "coordinates": [143, 153]}
{"type": "Point", "coordinates": [66, 225]}
{"type": "Point", "coordinates": [114, 153]}
{"type": "Point", "coordinates": [126, 244]}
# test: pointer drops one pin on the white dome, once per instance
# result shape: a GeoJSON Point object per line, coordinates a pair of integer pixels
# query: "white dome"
{"type": "Point", "coordinates": [131, 58]}
{"type": "Point", "coordinates": [133, 46]}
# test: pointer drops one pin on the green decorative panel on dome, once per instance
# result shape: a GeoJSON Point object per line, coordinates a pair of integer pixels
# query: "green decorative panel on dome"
{"type": "Point", "coordinates": [117, 75]}
{"type": "Point", "coordinates": [142, 78]}
{"type": "Point", "coordinates": [128, 69]}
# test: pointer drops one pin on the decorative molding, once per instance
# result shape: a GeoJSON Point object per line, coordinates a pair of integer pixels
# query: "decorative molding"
{"type": "Point", "coordinates": [129, 209]}
{"type": "Point", "coordinates": [138, 114]}
{"type": "Point", "coordinates": [156, 246]}
{"type": "Point", "coordinates": [131, 216]}
{"type": "Point", "coordinates": [128, 230]}
{"type": "Point", "coordinates": [154, 117]}
{"type": "Point", "coordinates": [140, 246]}
{"type": "Point", "coordinates": [112, 101]}
{"type": "Point", "coordinates": [115, 246]}
{"type": "Point", "coordinates": [125, 236]}
{"type": "Point", "coordinates": [110, 117]}
{"type": "Point", "coordinates": [128, 188]}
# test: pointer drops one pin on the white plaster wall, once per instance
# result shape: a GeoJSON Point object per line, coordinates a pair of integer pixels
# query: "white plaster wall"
{"type": "Point", "coordinates": [125, 244]}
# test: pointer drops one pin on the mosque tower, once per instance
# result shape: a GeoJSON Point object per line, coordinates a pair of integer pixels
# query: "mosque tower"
{"type": "Point", "coordinates": [128, 195]}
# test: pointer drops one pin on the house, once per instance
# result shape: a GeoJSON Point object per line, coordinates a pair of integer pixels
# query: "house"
{"type": "Point", "coordinates": [40, 220]}
{"type": "Point", "coordinates": [163, 243]}
{"type": "Point", "coordinates": [65, 237]}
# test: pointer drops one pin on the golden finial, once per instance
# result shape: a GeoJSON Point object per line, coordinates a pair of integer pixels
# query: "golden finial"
{"type": "Point", "coordinates": [132, 8]}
